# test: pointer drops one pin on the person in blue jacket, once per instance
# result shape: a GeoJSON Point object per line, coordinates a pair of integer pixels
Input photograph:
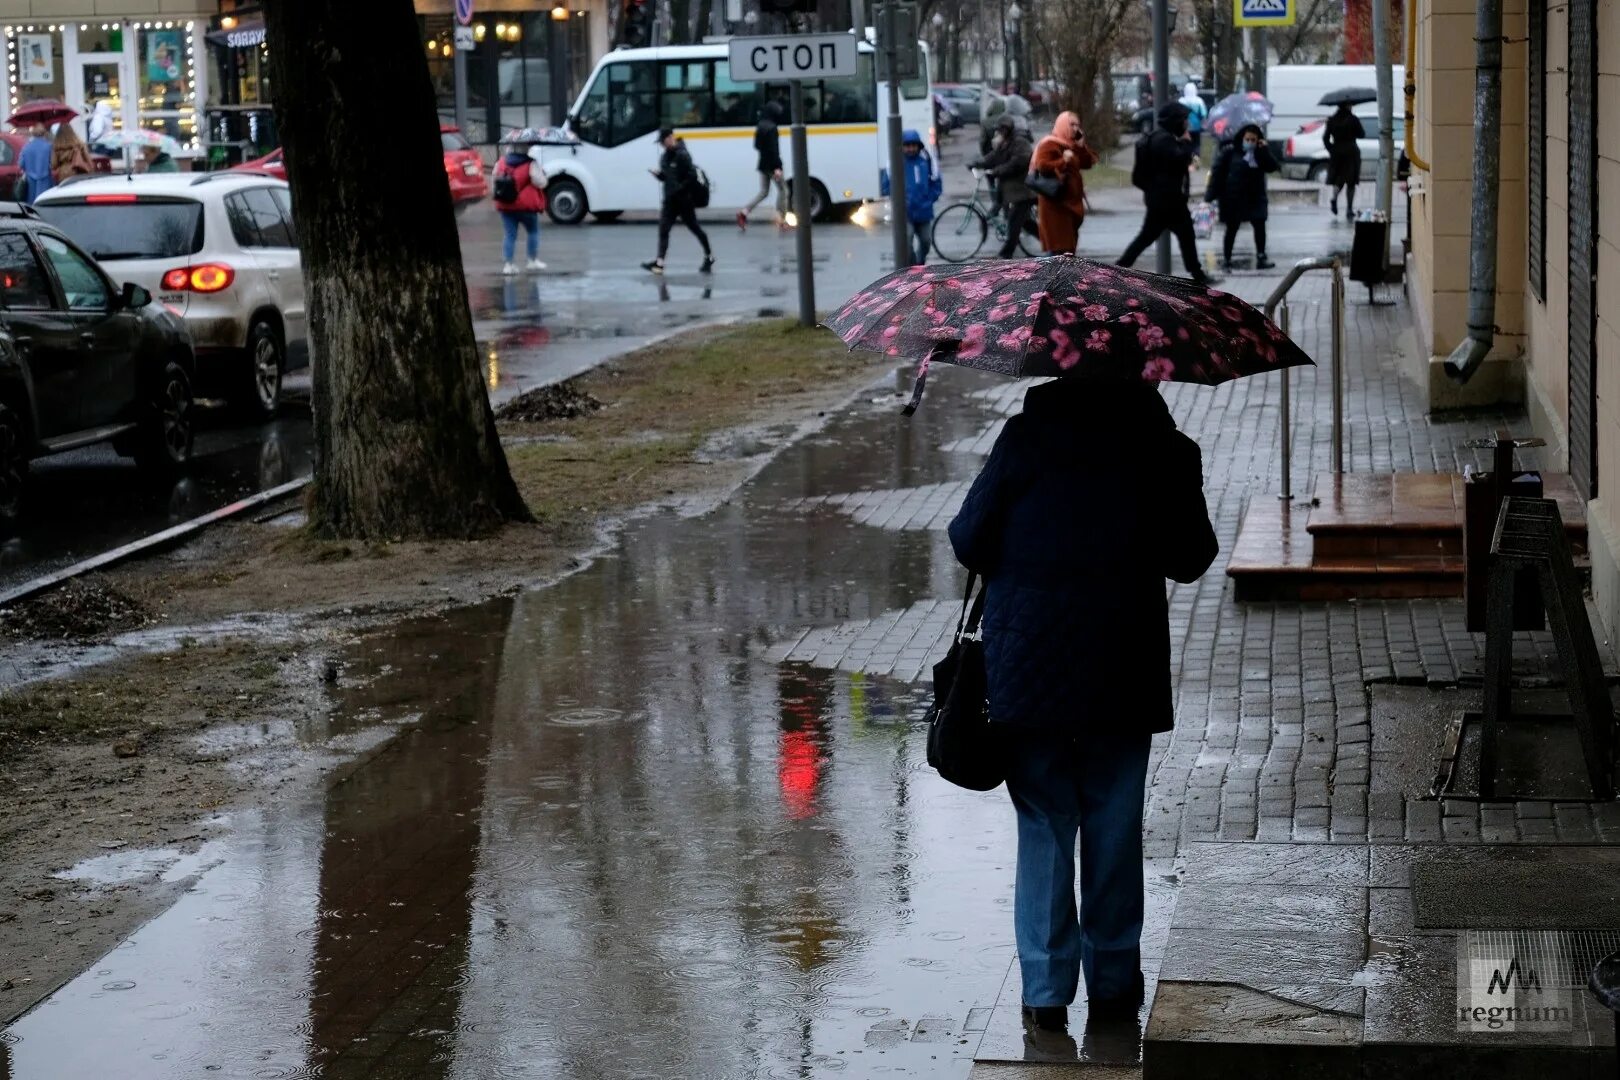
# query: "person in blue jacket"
{"type": "Point", "coordinates": [35, 163]}
{"type": "Point", "coordinates": [923, 189]}
{"type": "Point", "coordinates": [1077, 662]}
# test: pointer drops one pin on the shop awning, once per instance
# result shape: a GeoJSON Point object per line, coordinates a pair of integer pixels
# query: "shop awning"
{"type": "Point", "coordinates": [245, 36]}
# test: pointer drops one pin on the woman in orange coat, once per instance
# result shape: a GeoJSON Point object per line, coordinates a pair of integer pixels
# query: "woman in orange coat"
{"type": "Point", "coordinates": [1063, 154]}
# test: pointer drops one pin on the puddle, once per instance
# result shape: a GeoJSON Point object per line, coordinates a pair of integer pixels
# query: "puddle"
{"type": "Point", "coordinates": [613, 814]}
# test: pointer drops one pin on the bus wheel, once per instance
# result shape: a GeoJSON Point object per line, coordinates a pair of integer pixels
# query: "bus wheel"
{"type": "Point", "coordinates": [821, 204]}
{"type": "Point", "coordinates": [565, 201]}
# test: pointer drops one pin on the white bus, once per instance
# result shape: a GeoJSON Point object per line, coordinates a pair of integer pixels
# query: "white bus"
{"type": "Point", "coordinates": [634, 92]}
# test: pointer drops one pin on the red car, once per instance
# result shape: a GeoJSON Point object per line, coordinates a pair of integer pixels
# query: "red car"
{"type": "Point", "coordinates": [10, 146]}
{"type": "Point", "coordinates": [463, 167]}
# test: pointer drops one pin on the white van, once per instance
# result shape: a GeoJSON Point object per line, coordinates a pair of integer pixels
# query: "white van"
{"type": "Point", "coordinates": [1295, 89]}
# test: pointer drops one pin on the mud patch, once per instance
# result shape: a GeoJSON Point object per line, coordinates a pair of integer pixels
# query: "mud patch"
{"type": "Point", "coordinates": [560, 401]}
{"type": "Point", "coordinates": [83, 609]}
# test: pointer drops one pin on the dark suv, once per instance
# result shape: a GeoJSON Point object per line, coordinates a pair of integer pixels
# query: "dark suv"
{"type": "Point", "coordinates": [82, 361]}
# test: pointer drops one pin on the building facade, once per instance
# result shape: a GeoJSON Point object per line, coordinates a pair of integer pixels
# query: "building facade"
{"type": "Point", "coordinates": [1557, 345]}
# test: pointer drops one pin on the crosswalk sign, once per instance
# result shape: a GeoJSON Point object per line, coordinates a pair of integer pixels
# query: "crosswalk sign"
{"type": "Point", "coordinates": [1263, 12]}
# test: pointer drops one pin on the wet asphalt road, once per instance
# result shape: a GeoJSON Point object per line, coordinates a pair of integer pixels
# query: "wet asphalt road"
{"type": "Point", "coordinates": [619, 844]}
{"type": "Point", "coordinates": [593, 301]}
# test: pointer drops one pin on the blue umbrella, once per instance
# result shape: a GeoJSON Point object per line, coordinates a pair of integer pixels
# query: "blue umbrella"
{"type": "Point", "coordinates": [1236, 111]}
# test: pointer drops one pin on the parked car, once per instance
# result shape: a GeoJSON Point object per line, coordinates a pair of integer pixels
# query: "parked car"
{"type": "Point", "coordinates": [1306, 158]}
{"type": "Point", "coordinates": [220, 250]}
{"type": "Point", "coordinates": [11, 145]}
{"type": "Point", "coordinates": [946, 118]}
{"type": "Point", "coordinates": [968, 99]}
{"type": "Point", "coordinates": [462, 166]}
{"type": "Point", "coordinates": [82, 361]}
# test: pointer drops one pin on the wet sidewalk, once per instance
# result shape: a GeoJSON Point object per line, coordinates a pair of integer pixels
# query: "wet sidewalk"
{"type": "Point", "coordinates": [671, 817]}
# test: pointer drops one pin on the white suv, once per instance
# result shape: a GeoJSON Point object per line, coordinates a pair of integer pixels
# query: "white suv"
{"type": "Point", "coordinates": [218, 249]}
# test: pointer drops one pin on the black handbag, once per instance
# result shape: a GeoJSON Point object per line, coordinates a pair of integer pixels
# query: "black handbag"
{"type": "Point", "coordinates": [1047, 184]}
{"type": "Point", "coordinates": [962, 746]}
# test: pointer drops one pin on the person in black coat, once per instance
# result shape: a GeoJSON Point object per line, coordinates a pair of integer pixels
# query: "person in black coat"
{"type": "Point", "coordinates": [1089, 500]}
{"type": "Point", "coordinates": [1339, 135]}
{"type": "Point", "coordinates": [1166, 155]}
{"type": "Point", "coordinates": [1007, 164]}
{"type": "Point", "coordinates": [1238, 183]}
{"type": "Point", "coordinates": [678, 175]}
{"type": "Point", "coordinates": [767, 144]}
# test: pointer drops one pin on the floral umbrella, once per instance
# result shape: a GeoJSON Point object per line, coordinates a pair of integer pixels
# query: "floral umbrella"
{"type": "Point", "coordinates": [1063, 316]}
{"type": "Point", "coordinates": [1234, 112]}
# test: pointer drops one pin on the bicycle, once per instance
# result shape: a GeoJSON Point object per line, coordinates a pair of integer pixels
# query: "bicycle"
{"type": "Point", "coordinates": [960, 230]}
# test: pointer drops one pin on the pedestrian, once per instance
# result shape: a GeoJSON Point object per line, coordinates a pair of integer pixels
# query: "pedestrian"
{"type": "Point", "coordinates": [1163, 158]}
{"type": "Point", "coordinates": [1063, 154]}
{"type": "Point", "coordinates": [1007, 165]}
{"type": "Point", "coordinates": [34, 161]}
{"type": "Point", "coordinates": [519, 196]}
{"type": "Point", "coordinates": [923, 189]}
{"type": "Point", "coordinates": [69, 156]}
{"type": "Point", "coordinates": [155, 159]}
{"type": "Point", "coordinates": [1077, 658]}
{"type": "Point", "coordinates": [100, 127]}
{"type": "Point", "coordinates": [679, 176]}
{"type": "Point", "coordinates": [1238, 184]}
{"type": "Point", "coordinates": [768, 145]}
{"type": "Point", "coordinates": [1197, 111]}
{"type": "Point", "coordinates": [1344, 158]}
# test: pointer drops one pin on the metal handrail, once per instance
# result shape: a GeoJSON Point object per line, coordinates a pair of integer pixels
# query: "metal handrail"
{"type": "Point", "coordinates": [1279, 296]}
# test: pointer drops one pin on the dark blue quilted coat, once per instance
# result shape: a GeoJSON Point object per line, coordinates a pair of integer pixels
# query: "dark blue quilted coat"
{"type": "Point", "coordinates": [1090, 499]}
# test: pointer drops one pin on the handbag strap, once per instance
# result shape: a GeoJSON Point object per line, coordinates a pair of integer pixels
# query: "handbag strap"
{"type": "Point", "coordinates": [972, 613]}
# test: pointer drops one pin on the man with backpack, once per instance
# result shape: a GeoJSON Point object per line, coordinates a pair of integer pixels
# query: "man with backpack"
{"type": "Point", "coordinates": [685, 190]}
{"type": "Point", "coordinates": [1163, 160]}
{"type": "Point", "coordinates": [519, 193]}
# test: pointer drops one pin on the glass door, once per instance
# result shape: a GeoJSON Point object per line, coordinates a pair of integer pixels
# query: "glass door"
{"type": "Point", "coordinates": [101, 82]}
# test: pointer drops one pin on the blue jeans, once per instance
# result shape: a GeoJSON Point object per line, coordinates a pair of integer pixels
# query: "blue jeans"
{"type": "Point", "coordinates": [1090, 783]}
{"type": "Point", "coordinates": [922, 237]}
{"type": "Point", "coordinates": [530, 221]}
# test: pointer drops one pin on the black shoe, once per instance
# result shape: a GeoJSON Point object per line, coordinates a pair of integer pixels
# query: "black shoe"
{"type": "Point", "coordinates": [1201, 279]}
{"type": "Point", "coordinates": [707, 266]}
{"type": "Point", "coordinates": [656, 266]}
{"type": "Point", "coordinates": [1047, 1017]}
{"type": "Point", "coordinates": [1263, 263]}
{"type": "Point", "coordinates": [1226, 266]}
{"type": "Point", "coordinates": [1333, 207]}
{"type": "Point", "coordinates": [1122, 1007]}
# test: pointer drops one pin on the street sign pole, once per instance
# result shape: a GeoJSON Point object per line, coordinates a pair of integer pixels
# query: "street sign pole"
{"type": "Point", "coordinates": [464, 17]}
{"type": "Point", "coordinates": [801, 208]}
{"type": "Point", "coordinates": [897, 154]}
{"type": "Point", "coordinates": [1161, 98]}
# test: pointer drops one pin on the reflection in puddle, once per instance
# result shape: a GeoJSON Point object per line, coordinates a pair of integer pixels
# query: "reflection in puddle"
{"type": "Point", "coordinates": [615, 842]}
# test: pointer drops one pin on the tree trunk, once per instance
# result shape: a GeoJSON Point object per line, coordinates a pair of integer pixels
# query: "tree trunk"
{"type": "Point", "coordinates": [405, 441]}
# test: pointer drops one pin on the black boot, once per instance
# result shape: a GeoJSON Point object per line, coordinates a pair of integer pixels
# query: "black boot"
{"type": "Point", "coordinates": [1047, 1017]}
{"type": "Point", "coordinates": [1123, 1007]}
{"type": "Point", "coordinates": [1263, 263]}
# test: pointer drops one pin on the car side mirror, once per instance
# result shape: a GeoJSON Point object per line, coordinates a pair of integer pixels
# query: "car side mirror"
{"type": "Point", "coordinates": [134, 297]}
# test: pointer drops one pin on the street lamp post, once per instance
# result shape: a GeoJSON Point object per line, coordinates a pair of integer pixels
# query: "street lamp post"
{"type": "Point", "coordinates": [1015, 15]}
{"type": "Point", "coordinates": [560, 16]}
{"type": "Point", "coordinates": [939, 37]}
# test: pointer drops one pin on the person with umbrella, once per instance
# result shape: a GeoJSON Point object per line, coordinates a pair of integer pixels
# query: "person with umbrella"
{"type": "Point", "coordinates": [1075, 551]}
{"type": "Point", "coordinates": [1164, 157]}
{"type": "Point", "coordinates": [519, 194]}
{"type": "Point", "coordinates": [35, 162]}
{"type": "Point", "coordinates": [1339, 135]}
{"type": "Point", "coordinates": [1237, 182]}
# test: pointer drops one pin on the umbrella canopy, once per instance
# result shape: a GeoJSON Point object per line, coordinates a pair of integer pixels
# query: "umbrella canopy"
{"type": "Point", "coordinates": [1234, 112]}
{"type": "Point", "coordinates": [1064, 316]}
{"type": "Point", "coordinates": [1349, 95]}
{"type": "Point", "coordinates": [518, 136]}
{"type": "Point", "coordinates": [142, 138]}
{"type": "Point", "coordinates": [44, 111]}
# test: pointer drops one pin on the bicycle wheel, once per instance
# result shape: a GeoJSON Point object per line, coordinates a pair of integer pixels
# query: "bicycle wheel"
{"type": "Point", "coordinates": [1030, 242]}
{"type": "Point", "coordinates": [959, 231]}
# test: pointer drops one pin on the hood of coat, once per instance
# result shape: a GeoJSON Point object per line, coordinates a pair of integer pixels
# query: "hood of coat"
{"type": "Point", "coordinates": [1068, 415]}
{"type": "Point", "coordinates": [1173, 117]}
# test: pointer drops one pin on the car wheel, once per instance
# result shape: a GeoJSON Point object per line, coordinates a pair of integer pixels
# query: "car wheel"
{"type": "Point", "coordinates": [163, 444]}
{"type": "Point", "coordinates": [13, 469]}
{"type": "Point", "coordinates": [1318, 173]}
{"type": "Point", "coordinates": [259, 391]}
{"type": "Point", "coordinates": [565, 201]}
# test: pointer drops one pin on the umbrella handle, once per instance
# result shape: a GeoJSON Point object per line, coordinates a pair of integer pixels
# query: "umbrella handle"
{"type": "Point", "coordinates": [917, 387]}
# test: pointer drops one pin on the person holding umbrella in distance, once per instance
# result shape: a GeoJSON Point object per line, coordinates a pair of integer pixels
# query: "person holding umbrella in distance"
{"type": "Point", "coordinates": [1075, 673]}
{"type": "Point", "coordinates": [1340, 136]}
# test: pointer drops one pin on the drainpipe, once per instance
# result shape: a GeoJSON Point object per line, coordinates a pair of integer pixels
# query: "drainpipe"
{"type": "Point", "coordinates": [1411, 86]}
{"type": "Point", "coordinates": [1466, 358]}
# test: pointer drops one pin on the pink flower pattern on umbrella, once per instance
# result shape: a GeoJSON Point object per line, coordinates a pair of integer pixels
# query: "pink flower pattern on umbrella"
{"type": "Point", "coordinates": [1065, 316]}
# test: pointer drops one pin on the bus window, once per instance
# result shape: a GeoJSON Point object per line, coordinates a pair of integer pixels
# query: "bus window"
{"type": "Point", "coordinates": [686, 100]}
{"type": "Point", "coordinates": [590, 119]}
{"type": "Point", "coordinates": [852, 100]}
{"type": "Point", "coordinates": [735, 104]}
{"type": "Point", "coordinates": [632, 101]}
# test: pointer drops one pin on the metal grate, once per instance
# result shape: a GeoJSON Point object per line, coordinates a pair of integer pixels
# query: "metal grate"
{"type": "Point", "coordinates": [1561, 957]}
{"type": "Point", "coordinates": [1583, 233]}
{"type": "Point", "coordinates": [1536, 188]}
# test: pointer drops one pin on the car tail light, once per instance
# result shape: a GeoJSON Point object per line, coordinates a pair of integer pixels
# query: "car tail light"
{"type": "Point", "coordinates": [204, 278]}
{"type": "Point", "coordinates": [1288, 148]}
{"type": "Point", "coordinates": [98, 199]}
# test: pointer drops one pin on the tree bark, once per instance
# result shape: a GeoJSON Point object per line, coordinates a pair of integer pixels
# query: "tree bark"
{"type": "Point", "coordinates": [405, 441]}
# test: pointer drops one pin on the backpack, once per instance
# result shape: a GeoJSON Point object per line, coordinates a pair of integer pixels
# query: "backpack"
{"type": "Point", "coordinates": [1142, 167]}
{"type": "Point", "coordinates": [504, 188]}
{"type": "Point", "coordinates": [698, 188]}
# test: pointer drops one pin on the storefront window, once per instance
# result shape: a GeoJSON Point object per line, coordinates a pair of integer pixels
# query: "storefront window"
{"type": "Point", "coordinates": [34, 61]}
{"type": "Point", "coordinates": [508, 69]}
{"type": "Point", "coordinates": [167, 72]}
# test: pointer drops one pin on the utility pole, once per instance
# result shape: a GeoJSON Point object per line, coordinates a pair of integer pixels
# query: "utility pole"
{"type": "Point", "coordinates": [1386, 109]}
{"type": "Point", "coordinates": [1260, 59]}
{"type": "Point", "coordinates": [801, 208]}
{"type": "Point", "coordinates": [1161, 98]}
{"type": "Point", "coordinates": [897, 155]}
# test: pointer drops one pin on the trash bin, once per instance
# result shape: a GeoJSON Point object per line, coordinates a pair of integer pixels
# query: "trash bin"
{"type": "Point", "coordinates": [1369, 251]}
